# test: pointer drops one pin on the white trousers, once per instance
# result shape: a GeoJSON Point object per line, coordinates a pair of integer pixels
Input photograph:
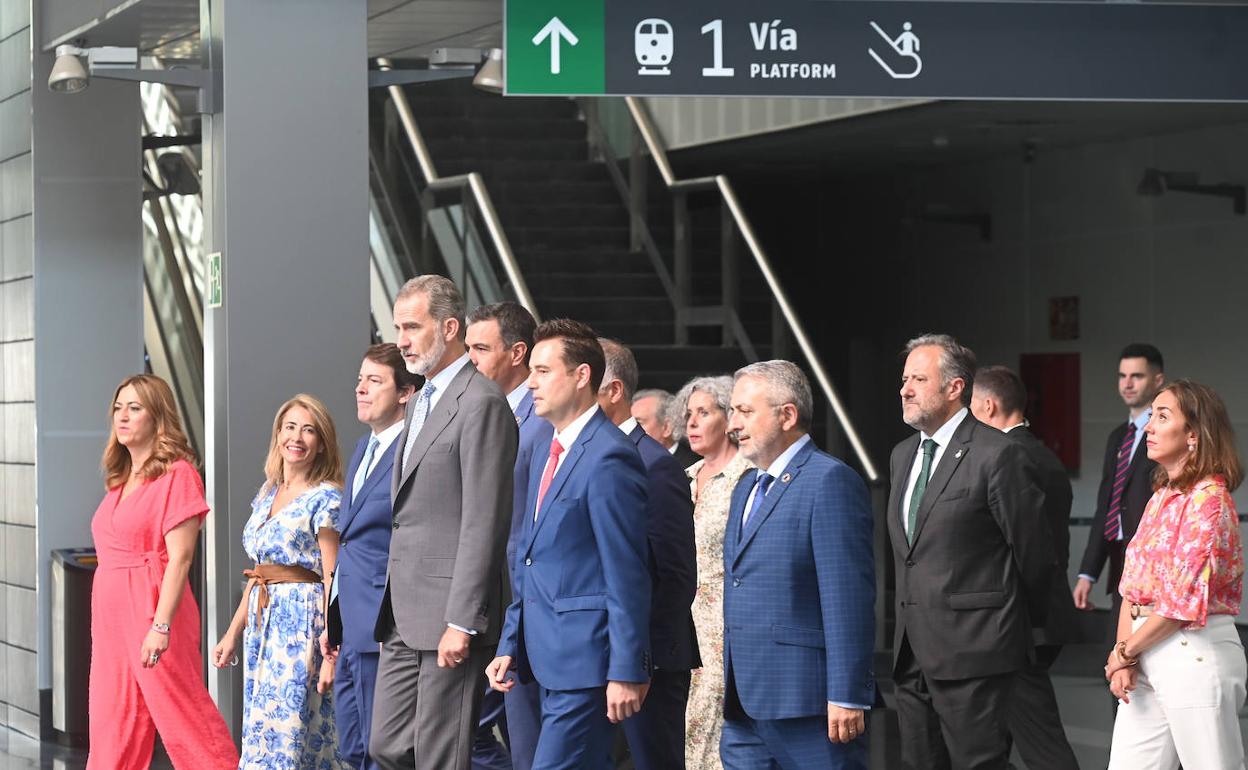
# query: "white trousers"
{"type": "Point", "coordinates": [1185, 707]}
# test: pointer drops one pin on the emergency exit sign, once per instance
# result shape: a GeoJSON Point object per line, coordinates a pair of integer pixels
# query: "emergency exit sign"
{"type": "Point", "coordinates": [864, 48]}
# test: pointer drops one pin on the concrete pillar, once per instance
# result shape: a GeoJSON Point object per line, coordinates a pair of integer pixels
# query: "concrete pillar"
{"type": "Point", "coordinates": [286, 203]}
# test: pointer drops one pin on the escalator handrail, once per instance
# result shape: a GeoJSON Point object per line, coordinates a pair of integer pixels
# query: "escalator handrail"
{"type": "Point", "coordinates": [475, 185]}
{"type": "Point", "coordinates": [654, 143]}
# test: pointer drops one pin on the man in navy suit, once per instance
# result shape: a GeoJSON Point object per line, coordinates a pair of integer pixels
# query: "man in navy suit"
{"type": "Point", "coordinates": [500, 338]}
{"type": "Point", "coordinates": [799, 588]}
{"type": "Point", "coordinates": [656, 736]}
{"type": "Point", "coordinates": [579, 622]}
{"type": "Point", "coordinates": [381, 395]}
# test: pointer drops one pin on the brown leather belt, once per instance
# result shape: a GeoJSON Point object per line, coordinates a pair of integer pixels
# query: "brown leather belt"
{"type": "Point", "coordinates": [264, 574]}
{"type": "Point", "coordinates": [1141, 611]}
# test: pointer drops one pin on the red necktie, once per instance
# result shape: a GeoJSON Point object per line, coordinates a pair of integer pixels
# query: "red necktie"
{"type": "Point", "coordinates": [1113, 518]}
{"type": "Point", "coordinates": [556, 449]}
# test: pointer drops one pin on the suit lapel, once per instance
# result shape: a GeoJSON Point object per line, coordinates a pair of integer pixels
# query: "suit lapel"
{"type": "Point", "coordinates": [732, 537]}
{"type": "Point", "coordinates": [383, 470]}
{"type": "Point", "coordinates": [524, 410]}
{"type": "Point", "coordinates": [353, 466]}
{"type": "Point", "coordinates": [561, 475]}
{"type": "Point", "coordinates": [774, 493]}
{"type": "Point", "coordinates": [953, 455]}
{"type": "Point", "coordinates": [441, 416]}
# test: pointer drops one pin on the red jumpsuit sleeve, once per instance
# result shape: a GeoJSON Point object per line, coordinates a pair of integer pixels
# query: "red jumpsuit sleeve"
{"type": "Point", "coordinates": [186, 496]}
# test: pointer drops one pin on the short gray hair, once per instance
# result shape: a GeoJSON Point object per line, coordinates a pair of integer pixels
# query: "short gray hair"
{"type": "Point", "coordinates": [445, 301]}
{"type": "Point", "coordinates": [719, 388]}
{"type": "Point", "coordinates": [787, 384]}
{"type": "Point", "coordinates": [621, 365]}
{"type": "Point", "coordinates": [665, 399]}
{"type": "Point", "coordinates": [957, 362]}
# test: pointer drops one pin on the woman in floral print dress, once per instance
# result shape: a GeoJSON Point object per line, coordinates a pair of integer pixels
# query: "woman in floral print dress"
{"type": "Point", "coordinates": [705, 423]}
{"type": "Point", "coordinates": [288, 723]}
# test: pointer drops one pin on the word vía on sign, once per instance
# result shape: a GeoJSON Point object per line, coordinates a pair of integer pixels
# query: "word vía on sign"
{"type": "Point", "coordinates": [770, 36]}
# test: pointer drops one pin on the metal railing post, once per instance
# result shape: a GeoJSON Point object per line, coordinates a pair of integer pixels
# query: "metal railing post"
{"type": "Point", "coordinates": [683, 268]}
{"type": "Point", "coordinates": [729, 281]}
{"type": "Point", "coordinates": [637, 192]}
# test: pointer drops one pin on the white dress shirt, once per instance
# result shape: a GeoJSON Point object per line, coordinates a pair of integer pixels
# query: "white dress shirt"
{"type": "Point", "coordinates": [442, 379]}
{"type": "Point", "coordinates": [566, 438]}
{"type": "Point", "coordinates": [942, 437]}
{"type": "Point", "coordinates": [517, 395]}
{"type": "Point", "coordinates": [628, 425]}
{"type": "Point", "coordinates": [384, 440]}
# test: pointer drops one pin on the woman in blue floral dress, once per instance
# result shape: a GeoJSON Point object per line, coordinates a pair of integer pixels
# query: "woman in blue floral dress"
{"type": "Point", "coordinates": [292, 537]}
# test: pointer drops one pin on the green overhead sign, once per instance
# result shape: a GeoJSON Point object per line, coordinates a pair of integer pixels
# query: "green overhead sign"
{"type": "Point", "coordinates": [955, 49]}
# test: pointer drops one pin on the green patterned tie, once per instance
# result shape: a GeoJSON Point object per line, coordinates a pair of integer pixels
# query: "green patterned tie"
{"type": "Point", "coordinates": [920, 485]}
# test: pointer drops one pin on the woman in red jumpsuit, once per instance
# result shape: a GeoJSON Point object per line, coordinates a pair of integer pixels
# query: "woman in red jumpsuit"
{"type": "Point", "coordinates": [145, 660]}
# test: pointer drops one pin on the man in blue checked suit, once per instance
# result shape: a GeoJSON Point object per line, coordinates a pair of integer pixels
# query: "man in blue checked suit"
{"type": "Point", "coordinates": [579, 621]}
{"type": "Point", "coordinates": [381, 395]}
{"type": "Point", "coordinates": [500, 339]}
{"type": "Point", "coordinates": [799, 589]}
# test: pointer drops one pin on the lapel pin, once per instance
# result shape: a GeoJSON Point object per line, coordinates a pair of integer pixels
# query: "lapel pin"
{"type": "Point", "coordinates": [517, 419]}
{"type": "Point", "coordinates": [786, 478]}
{"type": "Point", "coordinates": [958, 454]}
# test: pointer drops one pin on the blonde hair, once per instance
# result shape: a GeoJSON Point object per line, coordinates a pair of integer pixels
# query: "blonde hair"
{"type": "Point", "coordinates": [326, 466]}
{"type": "Point", "coordinates": [169, 445]}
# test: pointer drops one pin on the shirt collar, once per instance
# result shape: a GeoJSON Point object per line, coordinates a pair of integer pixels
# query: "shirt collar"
{"type": "Point", "coordinates": [1022, 424]}
{"type": "Point", "coordinates": [628, 425]}
{"type": "Point", "coordinates": [671, 450]}
{"type": "Point", "coordinates": [1142, 420]}
{"type": "Point", "coordinates": [517, 395]}
{"type": "Point", "coordinates": [944, 434]}
{"type": "Point", "coordinates": [567, 437]}
{"type": "Point", "coordinates": [444, 377]}
{"type": "Point", "coordinates": [780, 463]}
{"type": "Point", "coordinates": [387, 436]}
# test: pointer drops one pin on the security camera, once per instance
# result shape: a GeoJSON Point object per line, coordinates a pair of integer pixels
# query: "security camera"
{"type": "Point", "coordinates": [68, 75]}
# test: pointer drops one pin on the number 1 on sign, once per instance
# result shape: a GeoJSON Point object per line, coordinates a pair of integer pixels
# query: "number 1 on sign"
{"type": "Point", "coordinates": [716, 28]}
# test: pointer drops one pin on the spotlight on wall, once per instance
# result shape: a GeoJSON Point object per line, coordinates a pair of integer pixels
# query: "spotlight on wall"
{"type": "Point", "coordinates": [68, 75]}
{"type": "Point", "coordinates": [1156, 183]}
{"type": "Point", "coordinates": [490, 77]}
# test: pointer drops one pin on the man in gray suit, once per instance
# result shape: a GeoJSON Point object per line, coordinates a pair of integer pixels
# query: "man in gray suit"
{"type": "Point", "coordinates": [446, 586]}
{"type": "Point", "coordinates": [974, 566]}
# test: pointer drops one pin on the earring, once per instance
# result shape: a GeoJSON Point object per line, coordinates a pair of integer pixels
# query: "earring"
{"type": "Point", "coordinates": [1191, 447]}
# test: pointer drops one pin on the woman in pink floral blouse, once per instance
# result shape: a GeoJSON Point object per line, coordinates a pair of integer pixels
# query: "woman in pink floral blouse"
{"type": "Point", "coordinates": [1178, 667]}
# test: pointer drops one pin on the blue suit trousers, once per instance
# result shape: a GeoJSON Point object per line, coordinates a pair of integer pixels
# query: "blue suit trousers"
{"type": "Point", "coordinates": [524, 722]}
{"type": "Point", "coordinates": [354, 680]}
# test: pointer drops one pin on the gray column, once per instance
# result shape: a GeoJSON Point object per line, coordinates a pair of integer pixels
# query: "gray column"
{"type": "Point", "coordinates": [286, 197]}
{"type": "Point", "coordinates": [88, 304]}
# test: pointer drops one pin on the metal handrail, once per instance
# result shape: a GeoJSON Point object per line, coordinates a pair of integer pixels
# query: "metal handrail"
{"type": "Point", "coordinates": [472, 182]}
{"type": "Point", "coordinates": [654, 144]}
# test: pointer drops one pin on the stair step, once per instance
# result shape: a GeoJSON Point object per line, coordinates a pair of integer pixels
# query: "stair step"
{"type": "Point", "coordinates": [531, 173]}
{"type": "Point", "coordinates": [524, 237]}
{"type": "Point", "coordinates": [593, 310]}
{"type": "Point", "coordinates": [488, 152]}
{"type": "Point", "coordinates": [528, 128]}
{"type": "Point", "coordinates": [597, 283]}
{"type": "Point", "coordinates": [555, 216]}
{"type": "Point", "coordinates": [635, 332]}
{"type": "Point", "coordinates": [537, 261]}
{"type": "Point", "coordinates": [556, 193]}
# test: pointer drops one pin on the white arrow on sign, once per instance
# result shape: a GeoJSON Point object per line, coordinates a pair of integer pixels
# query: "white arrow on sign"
{"type": "Point", "coordinates": [555, 29]}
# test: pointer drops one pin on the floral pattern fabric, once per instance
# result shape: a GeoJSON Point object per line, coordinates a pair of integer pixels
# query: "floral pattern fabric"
{"type": "Point", "coordinates": [287, 724]}
{"type": "Point", "coordinates": [704, 715]}
{"type": "Point", "coordinates": [1186, 558]}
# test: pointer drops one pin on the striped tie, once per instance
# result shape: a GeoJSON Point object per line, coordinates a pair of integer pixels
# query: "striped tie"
{"type": "Point", "coordinates": [1113, 519]}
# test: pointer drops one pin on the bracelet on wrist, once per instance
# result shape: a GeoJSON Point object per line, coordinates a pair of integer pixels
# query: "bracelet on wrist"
{"type": "Point", "coordinates": [1120, 652]}
{"type": "Point", "coordinates": [161, 628]}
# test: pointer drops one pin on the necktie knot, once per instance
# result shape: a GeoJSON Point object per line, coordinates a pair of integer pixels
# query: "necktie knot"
{"type": "Point", "coordinates": [427, 392]}
{"type": "Point", "coordinates": [929, 448]}
{"type": "Point", "coordinates": [556, 448]}
{"type": "Point", "coordinates": [764, 481]}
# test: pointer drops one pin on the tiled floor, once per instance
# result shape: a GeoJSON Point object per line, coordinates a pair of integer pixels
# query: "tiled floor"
{"type": "Point", "coordinates": [1083, 699]}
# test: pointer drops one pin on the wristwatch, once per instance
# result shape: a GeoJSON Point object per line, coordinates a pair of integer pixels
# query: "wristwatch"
{"type": "Point", "coordinates": [160, 628]}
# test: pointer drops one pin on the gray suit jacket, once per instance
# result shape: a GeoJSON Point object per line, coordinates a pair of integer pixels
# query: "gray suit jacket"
{"type": "Point", "coordinates": [976, 579]}
{"type": "Point", "coordinates": [452, 514]}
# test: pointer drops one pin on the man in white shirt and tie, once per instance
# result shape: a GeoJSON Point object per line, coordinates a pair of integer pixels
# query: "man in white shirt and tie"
{"type": "Point", "coordinates": [382, 390]}
{"type": "Point", "coordinates": [974, 565]}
